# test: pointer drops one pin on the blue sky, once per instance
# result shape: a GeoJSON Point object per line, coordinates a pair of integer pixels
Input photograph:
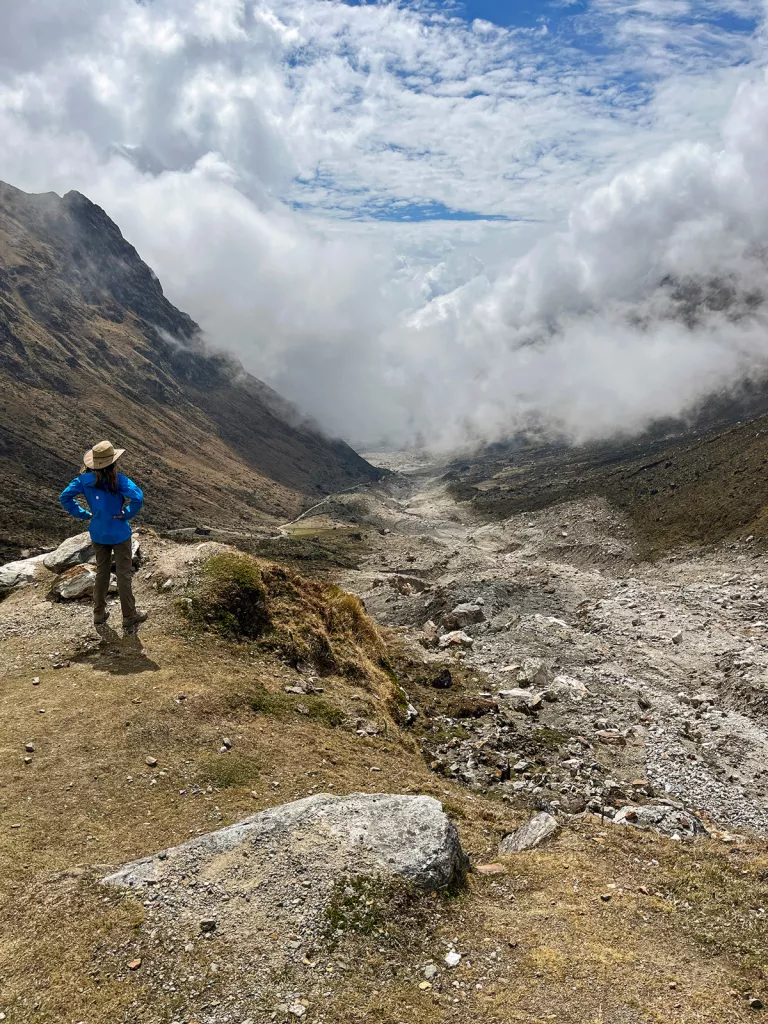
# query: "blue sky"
{"type": "Point", "coordinates": [548, 94]}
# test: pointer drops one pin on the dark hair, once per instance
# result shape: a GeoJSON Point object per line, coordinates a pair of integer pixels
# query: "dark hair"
{"type": "Point", "coordinates": [106, 479]}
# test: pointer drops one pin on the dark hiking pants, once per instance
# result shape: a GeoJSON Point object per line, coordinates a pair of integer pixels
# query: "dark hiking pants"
{"type": "Point", "coordinates": [123, 571]}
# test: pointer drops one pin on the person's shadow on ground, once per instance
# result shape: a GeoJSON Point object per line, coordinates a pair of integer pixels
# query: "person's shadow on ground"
{"type": "Point", "coordinates": [122, 655]}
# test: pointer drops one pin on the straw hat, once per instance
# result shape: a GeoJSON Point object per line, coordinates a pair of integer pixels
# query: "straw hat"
{"type": "Point", "coordinates": [102, 455]}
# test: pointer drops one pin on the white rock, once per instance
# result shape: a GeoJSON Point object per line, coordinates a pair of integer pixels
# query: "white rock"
{"type": "Point", "coordinates": [457, 638]}
{"type": "Point", "coordinates": [532, 833]}
{"type": "Point", "coordinates": [452, 958]}
{"type": "Point", "coordinates": [20, 573]}
{"type": "Point", "coordinates": [522, 700]}
{"type": "Point", "coordinates": [70, 553]}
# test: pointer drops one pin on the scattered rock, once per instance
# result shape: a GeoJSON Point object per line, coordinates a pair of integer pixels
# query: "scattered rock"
{"type": "Point", "coordinates": [29, 747]}
{"type": "Point", "coordinates": [665, 818]}
{"type": "Point", "coordinates": [533, 833]}
{"type": "Point", "coordinates": [71, 552]}
{"type": "Point", "coordinates": [443, 680]}
{"type": "Point", "coordinates": [75, 583]}
{"type": "Point", "coordinates": [20, 573]}
{"type": "Point", "coordinates": [458, 638]}
{"type": "Point", "coordinates": [207, 925]}
{"type": "Point", "coordinates": [134, 965]}
{"type": "Point", "coordinates": [463, 615]}
{"type": "Point", "coordinates": [452, 958]}
{"type": "Point", "coordinates": [677, 638]}
{"type": "Point", "coordinates": [151, 762]}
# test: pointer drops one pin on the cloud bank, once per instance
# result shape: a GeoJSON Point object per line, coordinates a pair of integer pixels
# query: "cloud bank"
{"type": "Point", "coordinates": [419, 226]}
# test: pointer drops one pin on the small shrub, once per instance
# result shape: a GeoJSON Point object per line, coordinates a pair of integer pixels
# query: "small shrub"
{"type": "Point", "coordinates": [231, 597]}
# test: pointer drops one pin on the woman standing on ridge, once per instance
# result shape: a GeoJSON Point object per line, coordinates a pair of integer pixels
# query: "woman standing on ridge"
{"type": "Point", "coordinates": [107, 492]}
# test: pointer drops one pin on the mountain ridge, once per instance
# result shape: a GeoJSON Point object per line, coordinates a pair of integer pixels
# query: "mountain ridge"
{"type": "Point", "coordinates": [90, 347]}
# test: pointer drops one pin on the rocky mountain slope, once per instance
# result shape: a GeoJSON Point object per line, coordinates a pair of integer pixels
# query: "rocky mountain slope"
{"type": "Point", "coordinates": [623, 698]}
{"type": "Point", "coordinates": [91, 348]}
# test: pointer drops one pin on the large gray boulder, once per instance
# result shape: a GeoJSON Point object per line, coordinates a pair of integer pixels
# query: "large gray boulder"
{"type": "Point", "coordinates": [71, 552]}
{"type": "Point", "coordinates": [78, 550]}
{"type": "Point", "coordinates": [409, 837]}
{"type": "Point", "coordinates": [20, 573]}
{"type": "Point", "coordinates": [533, 833]}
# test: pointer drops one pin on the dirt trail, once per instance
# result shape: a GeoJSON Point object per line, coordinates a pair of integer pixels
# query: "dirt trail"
{"type": "Point", "coordinates": [672, 654]}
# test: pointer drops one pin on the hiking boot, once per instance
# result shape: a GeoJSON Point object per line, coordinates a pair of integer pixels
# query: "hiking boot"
{"type": "Point", "coordinates": [99, 620]}
{"type": "Point", "coordinates": [135, 619]}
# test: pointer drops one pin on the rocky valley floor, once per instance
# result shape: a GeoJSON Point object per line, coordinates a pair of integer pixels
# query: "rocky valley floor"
{"type": "Point", "coordinates": [544, 667]}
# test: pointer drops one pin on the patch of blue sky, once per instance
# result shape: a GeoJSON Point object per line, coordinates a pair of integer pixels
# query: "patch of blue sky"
{"type": "Point", "coordinates": [349, 204]}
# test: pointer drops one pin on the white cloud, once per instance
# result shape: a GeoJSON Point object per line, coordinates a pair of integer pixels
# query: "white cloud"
{"type": "Point", "coordinates": [240, 145]}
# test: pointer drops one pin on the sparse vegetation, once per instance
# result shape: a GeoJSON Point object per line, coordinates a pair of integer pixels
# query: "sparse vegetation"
{"type": "Point", "coordinates": [230, 769]}
{"type": "Point", "coordinates": [304, 621]}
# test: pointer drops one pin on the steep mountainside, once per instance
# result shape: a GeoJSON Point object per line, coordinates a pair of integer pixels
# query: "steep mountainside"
{"type": "Point", "coordinates": [91, 348]}
{"type": "Point", "coordinates": [692, 487]}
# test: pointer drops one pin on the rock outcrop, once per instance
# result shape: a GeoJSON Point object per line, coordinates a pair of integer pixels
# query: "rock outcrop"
{"type": "Point", "coordinates": [409, 837]}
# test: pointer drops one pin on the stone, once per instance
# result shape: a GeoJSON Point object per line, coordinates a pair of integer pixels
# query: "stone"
{"type": "Point", "coordinates": [452, 958]}
{"type": "Point", "coordinates": [73, 551]}
{"type": "Point", "coordinates": [463, 615]}
{"type": "Point", "coordinates": [20, 573]}
{"type": "Point", "coordinates": [525, 701]}
{"type": "Point", "coordinates": [430, 971]}
{"type": "Point", "coordinates": [665, 819]}
{"type": "Point", "coordinates": [533, 672]}
{"type": "Point", "coordinates": [457, 638]}
{"type": "Point", "coordinates": [77, 582]}
{"type": "Point", "coordinates": [756, 1004]}
{"type": "Point", "coordinates": [373, 834]}
{"type": "Point", "coordinates": [29, 747]}
{"type": "Point", "coordinates": [698, 699]}
{"type": "Point", "coordinates": [611, 738]}
{"type": "Point", "coordinates": [443, 680]}
{"type": "Point", "coordinates": [490, 869]}
{"type": "Point", "coordinates": [134, 965]}
{"type": "Point", "coordinates": [677, 639]}
{"type": "Point", "coordinates": [568, 688]}
{"type": "Point", "coordinates": [207, 925]}
{"type": "Point", "coordinates": [297, 1009]}
{"type": "Point", "coordinates": [533, 833]}
{"type": "Point", "coordinates": [151, 762]}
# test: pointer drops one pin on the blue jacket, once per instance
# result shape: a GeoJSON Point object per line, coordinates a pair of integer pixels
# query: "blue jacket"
{"type": "Point", "coordinates": [108, 518]}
